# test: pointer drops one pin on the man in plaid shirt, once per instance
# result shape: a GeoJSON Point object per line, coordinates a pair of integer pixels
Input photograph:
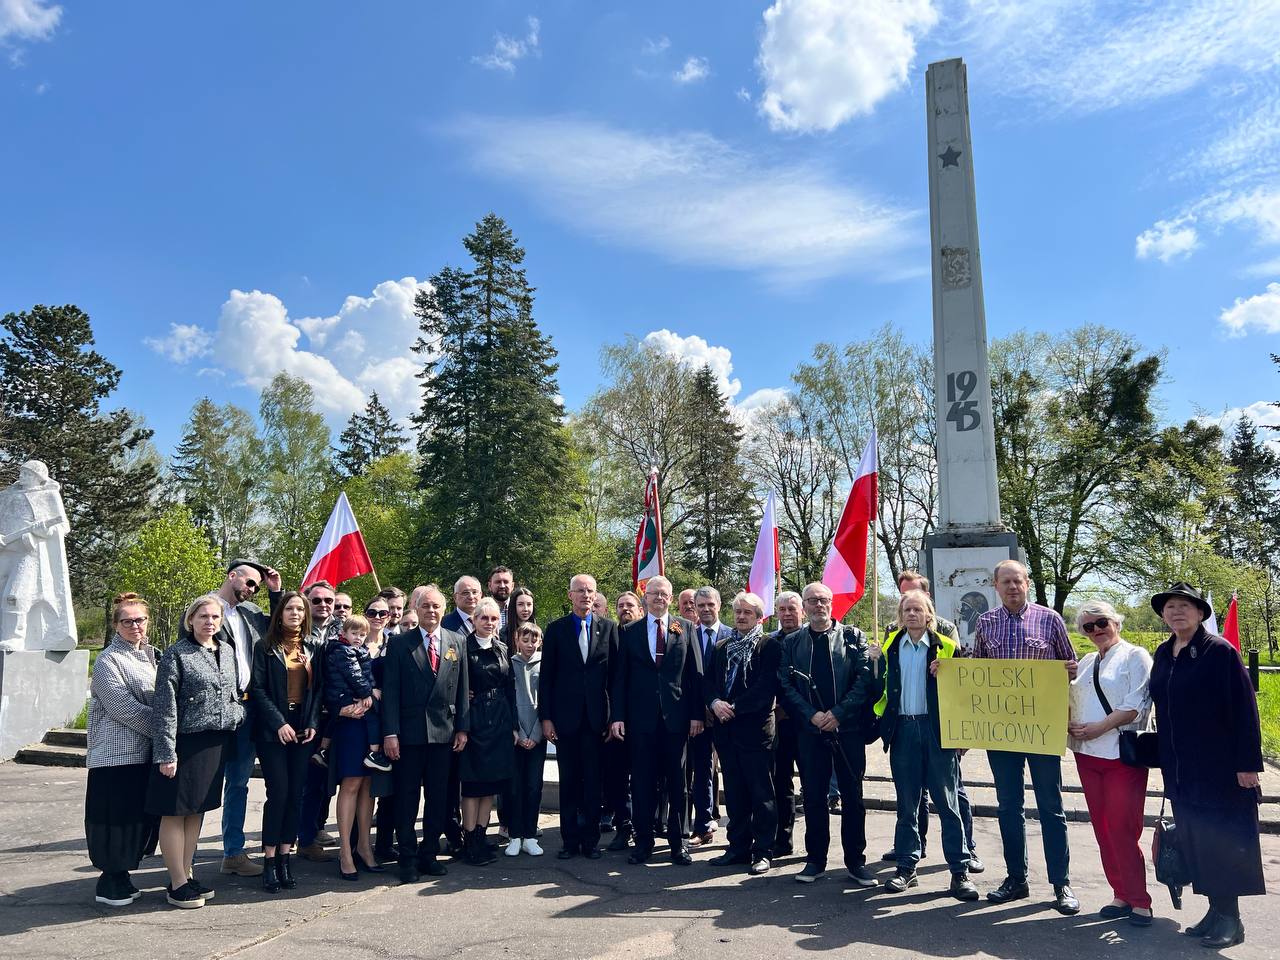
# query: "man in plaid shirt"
{"type": "Point", "coordinates": [1021, 630]}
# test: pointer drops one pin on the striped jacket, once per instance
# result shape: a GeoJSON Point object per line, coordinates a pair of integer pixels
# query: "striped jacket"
{"type": "Point", "coordinates": [120, 693]}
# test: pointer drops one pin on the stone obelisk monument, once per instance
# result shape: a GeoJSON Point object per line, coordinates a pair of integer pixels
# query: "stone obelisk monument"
{"type": "Point", "coordinates": [970, 538]}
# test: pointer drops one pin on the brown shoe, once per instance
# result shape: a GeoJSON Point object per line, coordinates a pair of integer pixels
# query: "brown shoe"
{"type": "Point", "coordinates": [241, 866]}
{"type": "Point", "coordinates": [315, 853]}
{"type": "Point", "coordinates": [702, 839]}
{"type": "Point", "coordinates": [326, 839]}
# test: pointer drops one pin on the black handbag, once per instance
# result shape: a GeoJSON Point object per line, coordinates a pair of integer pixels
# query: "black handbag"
{"type": "Point", "coordinates": [1170, 864]}
{"type": "Point", "coordinates": [1138, 748]}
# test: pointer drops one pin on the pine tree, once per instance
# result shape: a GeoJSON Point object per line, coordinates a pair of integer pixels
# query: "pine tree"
{"type": "Point", "coordinates": [53, 385]}
{"type": "Point", "coordinates": [494, 455]}
{"type": "Point", "coordinates": [369, 437]}
{"type": "Point", "coordinates": [216, 471]}
{"type": "Point", "coordinates": [718, 498]}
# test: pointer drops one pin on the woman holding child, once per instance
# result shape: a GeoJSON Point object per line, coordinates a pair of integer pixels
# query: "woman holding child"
{"type": "Point", "coordinates": [285, 693]}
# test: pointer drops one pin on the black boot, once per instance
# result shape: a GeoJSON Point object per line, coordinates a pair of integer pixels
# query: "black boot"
{"type": "Point", "coordinates": [1204, 926]}
{"type": "Point", "coordinates": [481, 854]}
{"type": "Point", "coordinates": [1226, 931]}
{"type": "Point", "coordinates": [285, 870]}
{"type": "Point", "coordinates": [270, 875]}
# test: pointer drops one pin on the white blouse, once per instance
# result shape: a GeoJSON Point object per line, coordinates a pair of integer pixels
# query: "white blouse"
{"type": "Point", "coordinates": [1124, 675]}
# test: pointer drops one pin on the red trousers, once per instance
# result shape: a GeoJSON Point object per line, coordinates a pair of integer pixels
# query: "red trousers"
{"type": "Point", "coordinates": [1115, 794]}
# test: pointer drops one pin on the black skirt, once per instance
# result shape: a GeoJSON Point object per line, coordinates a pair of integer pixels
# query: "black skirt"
{"type": "Point", "coordinates": [487, 761]}
{"type": "Point", "coordinates": [197, 787]}
{"type": "Point", "coordinates": [1221, 847]}
{"type": "Point", "coordinates": [117, 829]}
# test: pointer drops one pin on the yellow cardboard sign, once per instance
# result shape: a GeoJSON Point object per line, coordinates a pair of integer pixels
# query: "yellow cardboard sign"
{"type": "Point", "coordinates": [1016, 705]}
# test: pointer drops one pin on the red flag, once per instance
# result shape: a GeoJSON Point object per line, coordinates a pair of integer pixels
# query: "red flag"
{"type": "Point", "coordinates": [1231, 625]}
{"type": "Point", "coordinates": [341, 553]}
{"type": "Point", "coordinates": [647, 561]}
{"type": "Point", "coordinates": [846, 565]}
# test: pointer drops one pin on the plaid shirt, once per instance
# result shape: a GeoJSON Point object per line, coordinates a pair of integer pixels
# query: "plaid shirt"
{"type": "Point", "coordinates": [120, 693]}
{"type": "Point", "coordinates": [1033, 633]}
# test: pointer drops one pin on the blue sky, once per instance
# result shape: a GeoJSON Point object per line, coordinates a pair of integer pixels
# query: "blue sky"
{"type": "Point", "coordinates": [233, 189]}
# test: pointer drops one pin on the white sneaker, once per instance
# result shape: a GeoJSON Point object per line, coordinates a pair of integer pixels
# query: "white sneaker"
{"type": "Point", "coordinates": [531, 847]}
{"type": "Point", "coordinates": [513, 848]}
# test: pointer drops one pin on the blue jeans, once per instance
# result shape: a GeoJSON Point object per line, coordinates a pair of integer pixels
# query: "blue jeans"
{"type": "Point", "coordinates": [701, 781]}
{"type": "Point", "coordinates": [921, 766]}
{"type": "Point", "coordinates": [235, 792]}
{"type": "Point", "coordinates": [1046, 781]}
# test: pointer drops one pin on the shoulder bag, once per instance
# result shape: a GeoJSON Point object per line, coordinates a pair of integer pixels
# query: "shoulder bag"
{"type": "Point", "coordinates": [1138, 748]}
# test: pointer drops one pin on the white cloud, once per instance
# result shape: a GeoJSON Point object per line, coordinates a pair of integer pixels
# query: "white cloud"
{"type": "Point", "coordinates": [744, 95]}
{"type": "Point", "coordinates": [1259, 313]}
{"type": "Point", "coordinates": [826, 61]}
{"type": "Point", "coordinates": [756, 403]}
{"type": "Point", "coordinates": [693, 70]}
{"type": "Point", "coordinates": [695, 353]}
{"type": "Point", "coordinates": [653, 48]}
{"type": "Point", "coordinates": [1264, 412]}
{"type": "Point", "coordinates": [185, 342]}
{"type": "Point", "coordinates": [691, 198]}
{"type": "Point", "coordinates": [1087, 56]}
{"type": "Point", "coordinates": [507, 51]}
{"type": "Point", "coordinates": [1250, 142]}
{"type": "Point", "coordinates": [1267, 268]}
{"type": "Point", "coordinates": [1259, 208]}
{"type": "Point", "coordinates": [1167, 240]}
{"type": "Point", "coordinates": [28, 20]}
{"type": "Point", "coordinates": [371, 347]}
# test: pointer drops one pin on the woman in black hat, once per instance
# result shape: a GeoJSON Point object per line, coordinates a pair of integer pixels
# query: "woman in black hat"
{"type": "Point", "coordinates": [1210, 755]}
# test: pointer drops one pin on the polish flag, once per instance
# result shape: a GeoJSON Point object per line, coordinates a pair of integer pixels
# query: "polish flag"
{"type": "Point", "coordinates": [1231, 625]}
{"type": "Point", "coordinates": [847, 560]}
{"type": "Point", "coordinates": [341, 553]}
{"type": "Point", "coordinates": [767, 562]}
{"type": "Point", "coordinates": [647, 560]}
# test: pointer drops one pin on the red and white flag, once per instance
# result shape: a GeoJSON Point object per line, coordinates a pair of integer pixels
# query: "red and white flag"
{"type": "Point", "coordinates": [647, 560]}
{"type": "Point", "coordinates": [767, 562]}
{"type": "Point", "coordinates": [845, 571]}
{"type": "Point", "coordinates": [1231, 625]}
{"type": "Point", "coordinates": [341, 553]}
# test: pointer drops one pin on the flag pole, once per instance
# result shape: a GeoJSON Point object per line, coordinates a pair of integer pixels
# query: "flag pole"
{"type": "Point", "coordinates": [875, 582]}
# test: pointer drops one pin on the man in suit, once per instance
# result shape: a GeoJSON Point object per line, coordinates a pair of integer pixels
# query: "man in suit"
{"type": "Point", "coordinates": [425, 703]}
{"type": "Point", "coordinates": [466, 596]}
{"type": "Point", "coordinates": [243, 623]}
{"type": "Point", "coordinates": [573, 704]}
{"type": "Point", "coordinates": [702, 774]}
{"type": "Point", "coordinates": [788, 609]}
{"type": "Point", "coordinates": [740, 686]}
{"type": "Point", "coordinates": [501, 582]}
{"type": "Point", "coordinates": [829, 688]}
{"type": "Point", "coordinates": [316, 794]}
{"type": "Point", "coordinates": [656, 706]}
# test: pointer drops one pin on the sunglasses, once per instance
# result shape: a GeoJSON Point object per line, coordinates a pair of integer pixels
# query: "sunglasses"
{"type": "Point", "coordinates": [321, 601]}
{"type": "Point", "coordinates": [377, 614]}
{"type": "Point", "coordinates": [1100, 624]}
{"type": "Point", "coordinates": [342, 606]}
{"type": "Point", "coordinates": [250, 583]}
{"type": "Point", "coordinates": [134, 621]}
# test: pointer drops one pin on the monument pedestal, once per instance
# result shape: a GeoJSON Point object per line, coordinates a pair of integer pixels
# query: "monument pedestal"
{"type": "Point", "coordinates": [39, 689]}
{"type": "Point", "coordinates": [959, 565]}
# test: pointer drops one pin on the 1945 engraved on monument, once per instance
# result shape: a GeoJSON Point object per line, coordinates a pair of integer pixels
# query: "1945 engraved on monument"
{"type": "Point", "coordinates": [956, 271]}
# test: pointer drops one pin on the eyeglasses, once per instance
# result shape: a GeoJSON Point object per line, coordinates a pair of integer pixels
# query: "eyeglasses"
{"type": "Point", "coordinates": [134, 621]}
{"type": "Point", "coordinates": [1100, 624]}
{"type": "Point", "coordinates": [251, 584]}
{"type": "Point", "coordinates": [322, 601]}
{"type": "Point", "coordinates": [377, 614]}
{"type": "Point", "coordinates": [342, 606]}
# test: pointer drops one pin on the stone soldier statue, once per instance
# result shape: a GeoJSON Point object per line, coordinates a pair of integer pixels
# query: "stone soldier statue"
{"type": "Point", "coordinates": [35, 592]}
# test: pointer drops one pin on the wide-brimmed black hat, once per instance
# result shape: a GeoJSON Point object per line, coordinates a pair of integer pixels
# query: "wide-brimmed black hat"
{"type": "Point", "coordinates": [1182, 591]}
{"type": "Point", "coordinates": [242, 562]}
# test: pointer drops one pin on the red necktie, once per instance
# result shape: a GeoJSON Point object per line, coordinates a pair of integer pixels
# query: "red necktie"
{"type": "Point", "coordinates": [433, 653]}
{"type": "Point", "coordinates": [659, 647]}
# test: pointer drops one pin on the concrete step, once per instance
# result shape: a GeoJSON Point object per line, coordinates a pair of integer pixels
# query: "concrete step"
{"type": "Point", "coordinates": [49, 755]}
{"type": "Point", "coordinates": [67, 737]}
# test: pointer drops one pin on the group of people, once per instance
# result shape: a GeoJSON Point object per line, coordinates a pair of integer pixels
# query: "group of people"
{"type": "Point", "coordinates": [447, 714]}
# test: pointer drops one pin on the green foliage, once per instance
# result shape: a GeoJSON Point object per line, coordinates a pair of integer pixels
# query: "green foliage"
{"type": "Point", "coordinates": [299, 486]}
{"type": "Point", "coordinates": [717, 534]}
{"type": "Point", "coordinates": [169, 563]}
{"type": "Point", "coordinates": [54, 384]}
{"type": "Point", "coordinates": [493, 467]}
{"type": "Point", "coordinates": [386, 502]}
{"type": "Point", "coordinates": [369, 437]}
{"type": "Point", "coordinates": [1073, 420]}
{"type": "Point", "coordinates": [216, 472]}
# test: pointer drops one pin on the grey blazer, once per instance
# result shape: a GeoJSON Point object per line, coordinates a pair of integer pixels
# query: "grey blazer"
{"type": "Point", "coordinates": [195, 692]}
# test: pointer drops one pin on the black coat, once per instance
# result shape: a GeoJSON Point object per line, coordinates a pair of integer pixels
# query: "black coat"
{"type": "Point", "coordinates": [857, 686]}
{"type": "Point", "coordinates": [752, 726]}
{"type": "Point", "coordinates": [269, 691]}
{"type": "Point", "coordinates": [646, 698]}
{"type": "Point", "coordinates": [418, 706]}
{"type": "Point", "coordinates": [571, 691]}
{"type": "Point", "coordinates": [1207, 718]}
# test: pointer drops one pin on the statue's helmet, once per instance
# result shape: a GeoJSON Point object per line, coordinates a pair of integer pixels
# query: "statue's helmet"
{"type": "Point", "coordinates": [34, 470]}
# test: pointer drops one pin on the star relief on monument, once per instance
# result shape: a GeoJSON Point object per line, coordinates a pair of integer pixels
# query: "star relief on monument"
{"type": "Point", "coordinates": [950, 158]}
